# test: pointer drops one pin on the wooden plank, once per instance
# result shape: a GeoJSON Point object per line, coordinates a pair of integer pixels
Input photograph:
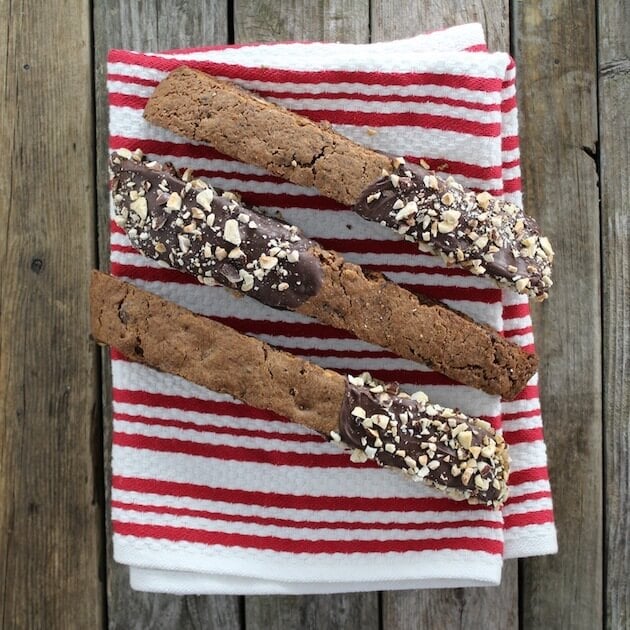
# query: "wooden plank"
{"type": "Point", "coordinates": [350, 611]}
{"type": "Point", "coordinates": [405, 18]}
{"type": "Point", "coordinates": [329, 20]}
{"type": "Point", "coordinates": [154, 25]}
{"type": "Point", "coordinates": [51, 507]}
{"type": "Point", "coordinates": [558, 103]}
{"type": "Point", "coordinates": [494, 608]}
{"type": "Point", "coordinates": [347, 21]}
{"type": "Point", "coordinates": [614, 157]}
{"type": "Point", "coordinates": [448, 608]}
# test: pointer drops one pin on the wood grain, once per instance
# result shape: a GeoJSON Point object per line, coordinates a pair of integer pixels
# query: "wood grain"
{"type": "Point", "coordinates": [558, 104]}
{"type": "Point", "coordinates": [405, 18]}
{"type": "Point", "coordinates": [448, 608]}
{"type": "Point", "coordinates": [352, 611]}
{"type": "Point", "coordinates": [150, 25]}
{"type": "Point", "coordinates": [614, 157]}
{"type": "Point", "coordinates": [283, 20]}
{"type": "Point", "coordinates": [51, 492]}
{"type": "Point", "coordinates": [493, 608]}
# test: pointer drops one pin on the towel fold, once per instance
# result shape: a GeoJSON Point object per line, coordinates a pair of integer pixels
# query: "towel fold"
{"type": "Point", "coordinates": [212, 496]}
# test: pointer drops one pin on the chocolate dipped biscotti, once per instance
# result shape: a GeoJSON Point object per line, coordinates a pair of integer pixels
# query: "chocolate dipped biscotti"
{"type": "Point", "coordinates": [459, 455]}
{"type": "Point", "coordinates": [486, 235]}
{"type": "Point", "coordinates": [184, 223]}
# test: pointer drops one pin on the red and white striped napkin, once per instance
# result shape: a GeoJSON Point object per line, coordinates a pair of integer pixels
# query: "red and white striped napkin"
{"type": "Point", "coordinates": [212, 496]}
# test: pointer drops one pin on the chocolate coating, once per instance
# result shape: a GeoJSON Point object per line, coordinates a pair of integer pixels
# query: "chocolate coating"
{"type": "Point", "coordinates": [486, 235]}
{"type": "Point", "coordinates": [443, 447]}
{"type": "Point", "coordinates": [186, 224]}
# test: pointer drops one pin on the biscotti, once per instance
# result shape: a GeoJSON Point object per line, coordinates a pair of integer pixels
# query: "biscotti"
{"type": "Point", "coordinates": [461, 456]}
{"type": "Point", "coordinates": [478, 232]}
{"type": "Point", "coordinates": [184, 223]}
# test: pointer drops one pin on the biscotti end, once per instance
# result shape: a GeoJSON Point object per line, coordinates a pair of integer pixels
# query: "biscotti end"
{"type": "Point", "coordinates": [418, 329]}
{"type": "Point", "coordinates": [168, 337]}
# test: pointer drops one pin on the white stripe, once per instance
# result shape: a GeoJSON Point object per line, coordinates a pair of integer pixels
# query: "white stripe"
{"type": "Point", "coordinates": [352, 516]}
{"type": "Point", "coordinates": [535, 505]}
{"type": "Point", "coordinates": [298, 533]}
{"type": "Point", "coordinates": [521, 424]}
{"type": "Point", "coordinates": [529, 487]}
{"type": "Point", "coordinates": [350, 57]}
{"type": "Point", "coordinates": [516, 406]}
{"type": "Point", "coordinates": [522, 340]}
{"type": "Point", "coordinates": [528, 455]}
{"type": "Point", "coordinates": [388, 107]}
{"type": "Point", "coordinates": [330, 482]}
{"type": "Point", "coordinates": [273, 427]}
{"type": "Point", "coordinates": [305, 103]}
{"type": "Point", "coordinates": [516, 323]}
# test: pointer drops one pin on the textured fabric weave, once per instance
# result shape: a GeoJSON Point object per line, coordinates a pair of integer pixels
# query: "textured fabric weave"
{"type": "Point", "coordinates": [212, 496]}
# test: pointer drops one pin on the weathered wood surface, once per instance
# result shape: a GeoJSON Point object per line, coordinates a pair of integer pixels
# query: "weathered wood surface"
{"type": "Point", "coordinates": [150, 26]}
{"type": "Point", "coordinates": [51, 486]}
{"type": "Point", "coordinates": [573, 86]}
{"type": "Point", "coordinates": [555, 48]}
{"type": "Point", "coordinates": [614, 158]}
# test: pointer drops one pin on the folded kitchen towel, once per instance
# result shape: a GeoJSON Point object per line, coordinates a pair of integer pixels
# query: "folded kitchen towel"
{"type": "Point", "coordinates": [212, 496]}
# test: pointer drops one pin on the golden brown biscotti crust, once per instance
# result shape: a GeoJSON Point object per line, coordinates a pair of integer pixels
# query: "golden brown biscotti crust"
{"type": "Point", "coordinates": [319, 283]}
{"type": "Point", "coordinates": [461, 456]}
{"type": "Point", "coordinates": [300, 151]}
{"type": "Point", "coordinates": [485, 235]}
{"type": "Point", "coordinates": [168, 337]}
{"type": "Point", "coordinates": [418, 328]}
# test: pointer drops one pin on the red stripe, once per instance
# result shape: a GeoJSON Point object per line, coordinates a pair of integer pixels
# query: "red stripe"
{"type": "Point", "coordinates": [224, 408]}
{"type": "Point", "coordinates": [343, 117]}
{"type": "Point", "coordinates": [523, 435]}
{"type": "Point", "coordinates": [516, 311]}
{"type": "Point", "coordinates": [531, 496]}
{"type": "Point", "coordinates": [519, 415]}
{"type": "Point", "coordinates": [477, 48]}
{"type": "Point", "coordinates": [470, 294]}
{"type": "Point", "coordinates": [519, 331]}
{"type": "Point", "coordinates": [508, 104]}
{"type": "Point", "coordinates": [207, 537]}
{"type": "Point", "coordinates": [215, 429]}
{"type": "Point", "coordinates": [528, 393]}
{"type": "Point", "coordinates": [528, 474]}
{"type": "Point", "coordinates": [512, 185]}
{"type": "Point", "coordinates": [528, 518]}
{"type": "Point", "coordinates": [292, 501]}
{"type": "Point", "coordinates": [509, 143]}
{"type": "Point", "coordinates": [235, 453]}
{"type": "Point", "coordinates": [277, 75]}
{"type": "Point", "coordinates": [277, 94]}
{"type": "Point", "coordinates": [310, 524]}
{"type": "Point", "coordinates": [161, 274]}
